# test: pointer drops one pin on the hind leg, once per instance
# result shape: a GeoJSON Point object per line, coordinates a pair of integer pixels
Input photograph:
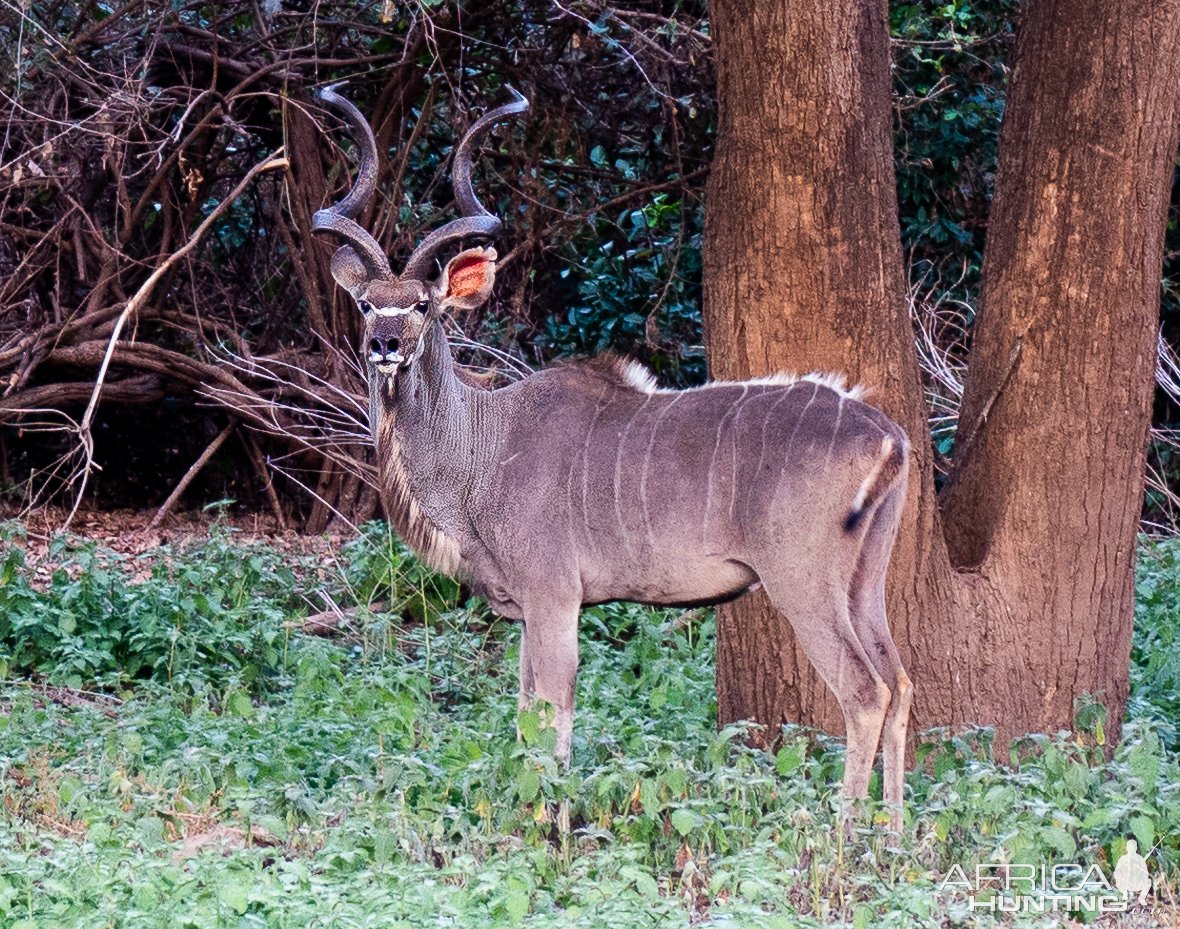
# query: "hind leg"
{"type": "Point", "coordinates": [873, 632]}
{"type": "Point", "coordinates": [866, 599]}
{"type": "Point", "coordinates": [819, 615]}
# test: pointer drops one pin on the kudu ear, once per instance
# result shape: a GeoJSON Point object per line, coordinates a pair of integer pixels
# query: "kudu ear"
{"type": "Point", "coordinates": [349, 270]}
{"type": "Point", "coordinates": [467, 279]}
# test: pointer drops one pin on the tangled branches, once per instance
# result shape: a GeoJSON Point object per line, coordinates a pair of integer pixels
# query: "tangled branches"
{"type": "Point", "coordinates": [151, 298]}
{"type": "Point", "coordinates": [129, 344]}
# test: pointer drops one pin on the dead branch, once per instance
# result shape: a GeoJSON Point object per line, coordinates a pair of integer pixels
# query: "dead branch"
{"type": "Point", "coordinates": [191, 473]}
{"type": "Point", "coordinates": [332, 622]}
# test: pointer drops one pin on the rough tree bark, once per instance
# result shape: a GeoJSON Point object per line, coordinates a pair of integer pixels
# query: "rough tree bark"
{"type": "Point", "coordinates": [1013, 595]}
{"type": "Point", "coordinates": [803, 270]}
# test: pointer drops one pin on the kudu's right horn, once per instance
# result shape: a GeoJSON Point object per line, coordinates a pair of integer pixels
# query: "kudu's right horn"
{"type": "Point", "coordinates": [341, 217]}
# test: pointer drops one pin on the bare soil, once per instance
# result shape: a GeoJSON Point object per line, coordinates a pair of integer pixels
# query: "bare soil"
{"type": "Point", "coordinates": [125, 532]}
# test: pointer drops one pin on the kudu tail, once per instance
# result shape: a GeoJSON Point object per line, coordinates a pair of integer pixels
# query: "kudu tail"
{"type": "Point", "coordinates": [888, 468]}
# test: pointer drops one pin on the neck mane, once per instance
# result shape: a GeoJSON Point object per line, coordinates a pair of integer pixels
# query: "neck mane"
{"type": "Point", "coordinates": [425, 451]}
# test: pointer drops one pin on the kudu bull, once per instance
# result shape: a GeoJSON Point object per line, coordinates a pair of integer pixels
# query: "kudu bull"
{"type": "Point", "coordinates": [585, 482]}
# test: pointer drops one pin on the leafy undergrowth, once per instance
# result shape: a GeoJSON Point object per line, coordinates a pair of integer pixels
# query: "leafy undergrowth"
{"type": "Point", "coordinates": [1155, 652]}
{"type": "Point", "coordinates": [172, 753]}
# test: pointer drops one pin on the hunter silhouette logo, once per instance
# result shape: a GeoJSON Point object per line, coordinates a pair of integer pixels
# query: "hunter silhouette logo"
{"type": "Point", "coordinates": [1130, 873]}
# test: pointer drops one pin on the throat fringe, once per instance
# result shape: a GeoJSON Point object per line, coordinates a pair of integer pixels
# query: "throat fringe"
{"type": "Point", "coordinates": [417, 530]}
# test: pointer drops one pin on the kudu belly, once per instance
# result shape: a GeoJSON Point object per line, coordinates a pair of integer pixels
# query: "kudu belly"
{"type": "Point", "coordinates": [688, 505]}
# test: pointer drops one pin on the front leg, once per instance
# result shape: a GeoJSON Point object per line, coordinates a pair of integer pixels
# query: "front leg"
{"type": "Point", "coordinates": [527, 687]}
{"type": "Point", "coordinates": [551, 653]}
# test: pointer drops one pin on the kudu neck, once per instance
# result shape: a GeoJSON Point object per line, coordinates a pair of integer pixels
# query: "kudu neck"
{"type": "Point", "coordinates": [433, 403]}
{"type": "Point", "coordinates": [429, 446]}
{"type": "Point", "coordinates": [435, 382]}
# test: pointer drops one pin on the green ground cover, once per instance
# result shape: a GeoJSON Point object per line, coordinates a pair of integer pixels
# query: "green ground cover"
{"type": "Point", "coordinates": [173, 754]}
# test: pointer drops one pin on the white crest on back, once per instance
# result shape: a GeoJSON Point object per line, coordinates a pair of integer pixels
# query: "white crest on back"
{"type": "Point", "coordinates": [638, 376]}
{"type": "Point", "coordinates": [836, 382]}
{"type": "Point", "coordinates": [829, 379]}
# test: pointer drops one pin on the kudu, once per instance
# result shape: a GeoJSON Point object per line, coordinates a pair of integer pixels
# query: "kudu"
{"type": "Point", "coordinates": [585, 482]}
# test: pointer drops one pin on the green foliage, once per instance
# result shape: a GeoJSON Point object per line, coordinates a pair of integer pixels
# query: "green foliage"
{"type": "Point", "coordinates": [377, 567]}
{"type": "Point", "coordinates": [636, 281]}
{"type": "Point", "coordinates": [205, 614]}
{"type": "Point", "coordinates": [950, 78]}
{"type": "Point", "coordinates": [1060, 802]}
{"type": "Point", "coordinates": [382, 780]}
{"type": "Point", "coordinates": [1155, 651]}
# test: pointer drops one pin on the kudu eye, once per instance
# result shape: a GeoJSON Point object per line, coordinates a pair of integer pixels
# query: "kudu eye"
{"type": "Point", "coordinates": [423, 306]}
{"type": "Point", "coordinates": [366, 306]}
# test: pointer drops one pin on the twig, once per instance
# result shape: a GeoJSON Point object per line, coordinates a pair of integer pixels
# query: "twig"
{"type": "Point", "coordinates": [85, 437]}
{"type": "Point", "coordinates": [69, 696]}
{"type": "Point", "coordinates": [328, 622]}
{"type": "Point", "coordinates": [191, 473]}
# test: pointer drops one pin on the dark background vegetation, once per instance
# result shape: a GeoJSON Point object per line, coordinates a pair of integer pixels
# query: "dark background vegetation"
{"type": "Point", "coordinates": [125, 124]}
{"type": "Point", "coordinates": [159, 703]}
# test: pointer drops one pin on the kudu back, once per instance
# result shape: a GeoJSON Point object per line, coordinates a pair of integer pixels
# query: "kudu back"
{"type": "Point", "coordinates": [586, 482]}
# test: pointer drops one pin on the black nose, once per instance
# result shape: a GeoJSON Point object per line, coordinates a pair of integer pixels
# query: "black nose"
{"type": "Point", "coordinates": [383, 349]}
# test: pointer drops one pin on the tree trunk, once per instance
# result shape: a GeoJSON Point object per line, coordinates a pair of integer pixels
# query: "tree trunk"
{"type": "Point", "coordinates": [803, 271]}
{"type": "Point", "coordinates": [1045, 499]}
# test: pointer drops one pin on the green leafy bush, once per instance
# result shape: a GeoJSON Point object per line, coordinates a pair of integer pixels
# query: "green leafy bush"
{"type": "Point", "coordinates": [382, 779]}
{"type": "Point", "coordinates": [378, 567]}
{"type": "Point", "coordinates": [950, 78]}
{"type": "Point", "coordinates": [1155, 650]}
{"type": "Point", "coordinates": [207, 613]}
{"type": "Point", "coordinates": [635, 287]}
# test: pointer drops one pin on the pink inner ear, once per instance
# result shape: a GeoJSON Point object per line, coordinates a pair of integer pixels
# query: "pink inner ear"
{"type": "Point", "coordinates": [467, 277]}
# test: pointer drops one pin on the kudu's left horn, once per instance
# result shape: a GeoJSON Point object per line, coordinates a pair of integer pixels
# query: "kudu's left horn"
{"type": "Point", "coordinates": [475, 220]}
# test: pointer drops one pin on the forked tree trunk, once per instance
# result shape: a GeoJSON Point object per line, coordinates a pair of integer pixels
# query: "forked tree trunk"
{"type": "Point", "coordinates": [1024, 602]}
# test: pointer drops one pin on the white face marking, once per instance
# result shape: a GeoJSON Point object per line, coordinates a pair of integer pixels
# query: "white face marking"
{"type": "Point", "coordinates": [392, 310]}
